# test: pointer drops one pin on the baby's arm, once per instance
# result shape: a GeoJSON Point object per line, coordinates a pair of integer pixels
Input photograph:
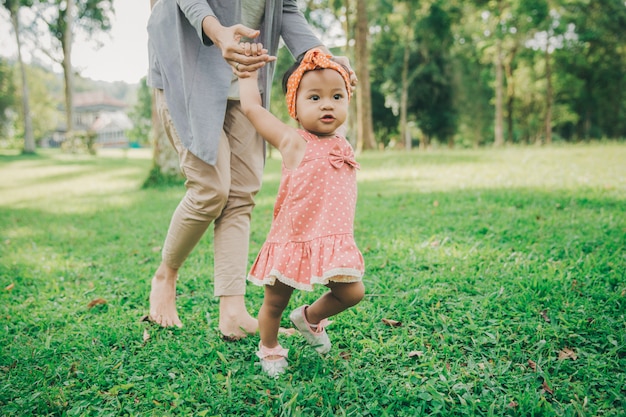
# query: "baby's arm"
{"type": "Point", "coordinates": [280, 135]}
{"type": "Point", "coordinates": [263, 121]}
{"type": "Point", "coordinates": [269, 126]}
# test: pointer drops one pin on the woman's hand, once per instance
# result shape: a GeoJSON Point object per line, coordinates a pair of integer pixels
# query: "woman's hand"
{"type": "Point", "coordinates": [343, 60]}
{"type": "Point", "coordinates": [244, 57]}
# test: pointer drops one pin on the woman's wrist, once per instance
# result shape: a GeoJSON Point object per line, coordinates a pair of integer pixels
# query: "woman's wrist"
{"type": "Point", "coordinates": [211, 28]}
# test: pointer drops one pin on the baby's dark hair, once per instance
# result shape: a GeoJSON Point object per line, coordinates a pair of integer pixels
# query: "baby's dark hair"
{"type": "Point", "coordinates": [295, 66]}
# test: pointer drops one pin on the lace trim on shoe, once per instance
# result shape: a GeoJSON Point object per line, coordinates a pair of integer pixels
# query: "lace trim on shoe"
{"type": "Point", "coordinates": [265, 352]}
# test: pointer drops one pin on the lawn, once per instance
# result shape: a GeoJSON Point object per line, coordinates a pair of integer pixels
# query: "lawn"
{"type": "Point", "coordinates": [496, 286]}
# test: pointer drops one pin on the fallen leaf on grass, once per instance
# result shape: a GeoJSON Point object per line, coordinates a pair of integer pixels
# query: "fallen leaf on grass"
{"type": "Point", "coordinates": [546, 388]}
{"type": "Point", "coordinates": [156, 249]}
{"type": "Point", "coordinates": [513, 404]}
{"type": "Point", "coordinates": [9, 287]}
{"type": "Point", "coordinates": [532, 365]}
{"type": "Point", "coordinates": [415, 353]}
{"type": "Point", "coordinates": [544, 315]}
{"type": "Point", "coordinates": [95, 302]}
{"type": "Point", "coordinates": [567, 353]}
{"type": "Point", "coordinates": [146, 335]}
{"type": "Point", "coordinates": [345, 355]}
{"type": "Point", "coordinates": [392, 323]}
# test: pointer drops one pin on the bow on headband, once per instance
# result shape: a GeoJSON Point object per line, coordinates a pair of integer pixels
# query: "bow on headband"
{"type": "Point", "coordinates": [338, 158]}
{"type": "Point", "coordinates": [313, 59]}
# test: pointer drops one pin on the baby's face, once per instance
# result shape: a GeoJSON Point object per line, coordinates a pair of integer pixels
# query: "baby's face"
{"type": "Point", "coordinates": [322, 101]}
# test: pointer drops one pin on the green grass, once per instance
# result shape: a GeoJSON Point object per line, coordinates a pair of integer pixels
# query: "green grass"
{"type": "Point", "coordinates": [494, 261]}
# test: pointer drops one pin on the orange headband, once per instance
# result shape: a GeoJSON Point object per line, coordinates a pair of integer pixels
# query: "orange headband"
{"type": "Point", "coordinates": [313, 59]}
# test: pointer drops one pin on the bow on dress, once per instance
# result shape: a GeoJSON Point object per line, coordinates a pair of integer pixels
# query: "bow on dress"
{"type": "Point", "coordinates": [338, 158]}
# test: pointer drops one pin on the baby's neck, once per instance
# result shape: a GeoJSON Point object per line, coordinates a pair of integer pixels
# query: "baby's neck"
{"type": "Point", "coordinates": [322, 135]}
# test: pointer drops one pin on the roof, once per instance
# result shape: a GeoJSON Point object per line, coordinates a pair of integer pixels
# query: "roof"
{"type": "Point", "coordinates": [96, 98]}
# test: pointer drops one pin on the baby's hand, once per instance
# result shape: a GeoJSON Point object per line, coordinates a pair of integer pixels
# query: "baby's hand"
{"type": "Point", "coordinates": [250, 49]}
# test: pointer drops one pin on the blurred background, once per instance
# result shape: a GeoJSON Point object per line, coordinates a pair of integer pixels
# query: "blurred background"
{"type": "Point", "coordinates": [433, 73]}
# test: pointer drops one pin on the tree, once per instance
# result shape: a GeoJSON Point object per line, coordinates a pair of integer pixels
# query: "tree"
{"type": "Point", "coordinates": [365, 130]}
{"type": "Point", "coordinates": [141, 115]}
{"type": "Point", "coordinates": [63, 18]}
{"type": "Point", "coordinates": [595, 58]}
{"type": "Point", "coordinates": [7, 96]}
{"type": "Point", "coordinates": [42, 102]}
{"type": "Point", "coordinates": [13, 6]}
{"type": "Point", "coordinates": [412, 50]}
{"type": "Point", "coordinates": [165, 167]}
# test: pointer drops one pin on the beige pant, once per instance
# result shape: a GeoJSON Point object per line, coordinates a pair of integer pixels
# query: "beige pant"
{"type": "Point", "coordinates": [223, 193]}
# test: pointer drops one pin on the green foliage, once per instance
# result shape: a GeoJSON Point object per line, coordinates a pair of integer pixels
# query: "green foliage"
{"type": "Point", "coordinates": [451, 73]}
{"type": "Point", "coordinates": [157, 179]}
{"type": "Point", "coordinates": [43, 105]}
{"type": "Point", "coordinates": [92, 16]}
{"type": "Point", "coordinates": [7, 96]}
{"type": "Point", "coordinates": [141, 115]}
{"type": "Point", "coordinates": [505, 269]}
{"type": "Point", "coordinates": [452, 48]}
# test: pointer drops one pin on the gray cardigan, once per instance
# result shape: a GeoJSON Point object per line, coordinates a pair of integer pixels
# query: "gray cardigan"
{"type": "Point", "coordinates": [194, 75]}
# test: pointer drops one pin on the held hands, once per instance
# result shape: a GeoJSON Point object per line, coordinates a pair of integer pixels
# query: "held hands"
{"type": "Point", "coordinates": [244, 57]}
{"type": "Point", "coordinates": [253, 50]}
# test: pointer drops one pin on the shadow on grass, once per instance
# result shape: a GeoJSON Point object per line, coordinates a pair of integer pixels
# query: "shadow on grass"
{"type": "Point", "coordinates": [481, 280]}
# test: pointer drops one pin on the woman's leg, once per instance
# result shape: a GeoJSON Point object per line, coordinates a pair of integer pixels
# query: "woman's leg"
{"type": "Point", "coordinates": [207, 192]}
{"type": "Point", "coordinates": [232, 227]}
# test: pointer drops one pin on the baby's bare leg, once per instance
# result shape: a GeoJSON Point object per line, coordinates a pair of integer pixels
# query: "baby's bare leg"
{"type": "Point", "coordinates": [340, 297]}
{"type": "Point", "coordinates": [163, 297]}
{"type": "Point", "coordinates": [274, 303]}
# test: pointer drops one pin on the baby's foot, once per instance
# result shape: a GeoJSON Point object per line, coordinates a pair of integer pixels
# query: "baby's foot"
{"type": "Point", "coordinates": [163, 301]}
{"type": "Point", "coordinates": [273, 360]}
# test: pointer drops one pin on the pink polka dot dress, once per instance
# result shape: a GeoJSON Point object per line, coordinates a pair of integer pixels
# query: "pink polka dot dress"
{"type": "Point", "coordinates": [311, 240]}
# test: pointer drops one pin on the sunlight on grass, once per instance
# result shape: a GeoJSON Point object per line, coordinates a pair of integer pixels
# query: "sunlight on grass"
{"type": "Point", "coordinates": [74, 185]}
{"type": "Point", "coordinates": [506, 168]}
{"type": "Point", "coordinates": [498, 265]}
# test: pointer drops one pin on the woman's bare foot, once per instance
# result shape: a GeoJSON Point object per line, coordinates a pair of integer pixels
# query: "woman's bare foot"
{"type": "Point", "coordinates": [235, 321]}
{"type": "Point", "coordinates": [163, 298]}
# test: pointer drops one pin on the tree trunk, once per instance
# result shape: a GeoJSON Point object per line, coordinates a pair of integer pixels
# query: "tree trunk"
{"type": "Point", "coordinates": [165, 164]}
{"type": "Point", "coordinates": [348, 22]}
{"type": "Point", "coordinates": [365, 129]}
{"type": "Point", "coordinates": [164, 155]}
{"type": "Point", "coordinates": [68, 74]}
{"type": "Point", "coordinates": [29, 140]}
{"type": "Point", "coordinates": [510, 94]}
{"type": "Point", "coordinates": [404, 99]}
{"type": "Point", "coordinates": [424, 142]}
{"type": "Point", "coordinates": [498, 127]}
{"type": "Point", "coordinates": [548, 96]}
